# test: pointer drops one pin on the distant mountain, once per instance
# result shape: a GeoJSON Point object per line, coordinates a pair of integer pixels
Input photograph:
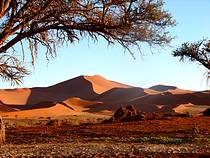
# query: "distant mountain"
{"type": "Point", "coordinates": [97, 95]}
{"type": "Point", "coordinates": [162, 88]}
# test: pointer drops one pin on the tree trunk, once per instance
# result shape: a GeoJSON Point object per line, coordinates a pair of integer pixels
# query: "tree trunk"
{"type": "Point", "coordinates": [2, 132]}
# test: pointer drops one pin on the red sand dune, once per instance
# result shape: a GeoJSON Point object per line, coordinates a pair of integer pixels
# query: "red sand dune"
{"type": "Point", "coordinates": [5, 108]}
{"type": "Point", "coordinates": [15, 96]}
{"type": "Point", "coordinates": [84, 87]}
{"type": "Point", "coordinates": [95, 94]}
{"type": "Point", "coordinates": [54, 111]}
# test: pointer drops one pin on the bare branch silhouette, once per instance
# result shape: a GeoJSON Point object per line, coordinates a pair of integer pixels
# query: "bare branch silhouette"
{"type": "Point", "coordinates": [51, 23]}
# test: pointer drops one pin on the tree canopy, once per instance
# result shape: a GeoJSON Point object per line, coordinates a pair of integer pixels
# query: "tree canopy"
{"type": "Point", "coordinates": [50, 23]}
{"type": "Point", "coordinates": [197, 51]}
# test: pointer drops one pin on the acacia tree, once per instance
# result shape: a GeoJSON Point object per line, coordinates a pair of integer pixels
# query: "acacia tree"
{"type": "Point", "coordinates": [197, 51]}
{"type": "Point", "coordinates": [49, 23]}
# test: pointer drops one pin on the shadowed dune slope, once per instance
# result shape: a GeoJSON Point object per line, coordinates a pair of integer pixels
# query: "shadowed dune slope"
{"type": "Point", "coordinates": [5, 108]}
{"type": "Point", "coordinates": [121, 95]}
{"type": "Point", "coordinates": [43, 104]}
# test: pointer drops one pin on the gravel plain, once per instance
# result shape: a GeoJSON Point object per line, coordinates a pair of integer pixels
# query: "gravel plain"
{"type": "Point", "coordinates": [101, 149]}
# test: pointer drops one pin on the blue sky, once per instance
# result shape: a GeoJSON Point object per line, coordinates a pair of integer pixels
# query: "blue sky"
{"type": "Point", "coordinates": [157, 67]}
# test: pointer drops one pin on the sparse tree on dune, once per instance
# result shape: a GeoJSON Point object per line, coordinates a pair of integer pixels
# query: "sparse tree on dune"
{"type": "Point", "coordinates": [50, 23]}
{"type": "Point", "coordinates": [195, 52]}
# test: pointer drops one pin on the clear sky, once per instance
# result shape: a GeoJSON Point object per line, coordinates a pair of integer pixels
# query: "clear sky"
{"type": "Point", "coordinates": [156, 67]}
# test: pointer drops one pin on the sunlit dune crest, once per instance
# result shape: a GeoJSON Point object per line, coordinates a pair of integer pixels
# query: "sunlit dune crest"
{"type": "Point", "coordinates": [80, 105]}
{"type": "Point", "coordinates": [180, 91]}
{"type": "Point", "coordinates": [79, 102]}
{"type": "Point", "coordinates": [150, 91]}
{"type": "Point", "coordinates": [159, 106]}
{"type": "Point", "coordinates": [101, 85]}
{"type": "Point", "coordinates": [190, 108]}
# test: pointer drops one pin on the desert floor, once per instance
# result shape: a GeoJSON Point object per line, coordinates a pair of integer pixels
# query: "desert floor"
{"type": "Point", "coordinates": [171, 137]}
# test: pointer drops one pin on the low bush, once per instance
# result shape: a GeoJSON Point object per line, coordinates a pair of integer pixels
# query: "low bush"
{"type": "Point", "coordinates": [206, 112]}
